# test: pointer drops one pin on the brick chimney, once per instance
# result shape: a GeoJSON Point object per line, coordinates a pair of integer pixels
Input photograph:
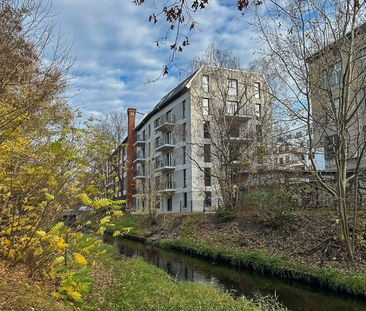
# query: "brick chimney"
{"type": "Point", "coordinates": [131, 155]}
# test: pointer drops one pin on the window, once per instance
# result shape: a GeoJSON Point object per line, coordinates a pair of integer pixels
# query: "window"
{"type": "Point", "coordinates": [185, 199]}
{"type": "Point", "coordinates": [208, 198]}
{"type": "Point", "coordinates": [206, 106]}
{"type": "Point", "coordinates": [207, 152]}
{"type": "Point", "coordinates": [206, 129]}
{"type": "Point", "coordinates": [337, 73]}
{"type": "Point", "coordinates": [259, 131]}
{"type": "Point", "coordinates": [231, 108]}
{"type": "Point", "coordinates": [336, 103]}
{"type": "Point", "coordinates": [169, 116]}
{"type": "Point", "coordinates": [184, 108]}
{"type": "Point", "coordinates": [325, 78]}
{"type": "Point", "coordinates": [287, 159]}
{"type": "Point", "coordinates": [330, 147]}
{"type": "Point", "coordinates": [363, 58]}
{"type": "Point", "coordinates": [205, 83]}
{"type": "Point", "coordinates": [184, 178]}
{"type": "Point", "coordinates": [257, 90]}
{"type": "Point", "coordinates": [232, 86]}
{"type": "Point", "coordinates": [184, 131]}
{"type": "Point", "coordinates": [207, 172]}
{"type": "Point", "coordinates": [156, 122]}
{"type": "Point", "coordinates": [148, 150]}
{"type": "Point", "coordinates": [258, 110]}
{"type": "Point", "coordinates": [184, 154]}
{"type": "Point", "coordinates": [149, 132]}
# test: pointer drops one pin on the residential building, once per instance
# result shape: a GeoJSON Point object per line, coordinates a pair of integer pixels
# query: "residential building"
{"type": "Point", "coordinates": [173, 151]}
{"type": "Point", "coordinates": [338, 93]}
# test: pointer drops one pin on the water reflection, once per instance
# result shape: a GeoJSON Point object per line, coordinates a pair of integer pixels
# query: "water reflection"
{"type": "Point", "coordinates": [293, 295]}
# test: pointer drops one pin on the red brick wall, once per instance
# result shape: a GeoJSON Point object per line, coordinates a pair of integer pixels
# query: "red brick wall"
{"type": "Point", "coordinates": [131, 154]}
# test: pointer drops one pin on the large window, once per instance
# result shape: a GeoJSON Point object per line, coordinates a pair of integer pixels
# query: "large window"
{"type": "Point", "coordinates": [231, 108]}
{"type": "Point", "coordinates": [337, 73]}
{"type": "Point", "coordinates": [184, 131]}
{"type": "Point", "coordinates": [206, 106]}
{"type": "Point", "coordinates": [258, 110]}
{"type": "Point", "coordinates": [337, 103]}
{"type": "Point", "coordinates": [258, 129]}
{"type": "Point", "coordinates": [232, 85]}
{"type": "Point", "coordinates": [205, 83]}
{"type": "Point", "coordinates": [257, 90]}
{"type": "Point", "coordinates": [206, 129]}
{"type": "Point", "coordinates": [208, 199]}
{"type": "Point", "coordinates": [207, 152]}
{"type": "Point", "coordinates": [184, 178]}
{"type": "Point", "coordinates": [207, 173]}
{"type": "Point", "coordinates": [184, 109]}
{"type": "Point", "coordinates": [184, 154]}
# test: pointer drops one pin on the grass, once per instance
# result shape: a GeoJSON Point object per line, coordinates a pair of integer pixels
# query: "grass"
{"type": "Point", "coordinates": [20, 296]}
{"type": "Point", "coordinates": [133, 284]}
{"type": "Point", "coordinates": [136, 223]}
{"type": "Point", "coordinates": [278, 266]}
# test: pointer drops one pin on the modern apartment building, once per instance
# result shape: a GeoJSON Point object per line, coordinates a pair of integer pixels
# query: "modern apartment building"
{"type": "Point", "coordinates": [338, 93]}
{"type": "Point", "coordinates": [172, 159]}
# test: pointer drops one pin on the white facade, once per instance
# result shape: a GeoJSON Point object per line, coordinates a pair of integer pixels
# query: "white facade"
{"type": "Point", "coordinates": [173, 168]}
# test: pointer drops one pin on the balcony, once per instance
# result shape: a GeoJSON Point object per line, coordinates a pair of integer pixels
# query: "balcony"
{"type": "Point", "coordinates": [139, 174]}
{"type": "Point", "coordinates": [140, 157]}
{"type": "Point", "coordinates": [165, 123]}
{"type": "Point", "coordinates": [140, 141]}
{"type": "Point", "coordinates": [168, 186]}
{"type": "Point", "coordinates": [165, 165]}
{"type": "Point", "coordinates": [165, 144]}
{"type": "Point", "coordinates": [244, 137]}
{"type": "Point", "coordinates": [242, 114]}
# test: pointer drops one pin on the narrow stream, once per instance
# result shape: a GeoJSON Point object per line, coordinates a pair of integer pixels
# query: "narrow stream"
{"type": "Point", "coordinates": [295, 296]}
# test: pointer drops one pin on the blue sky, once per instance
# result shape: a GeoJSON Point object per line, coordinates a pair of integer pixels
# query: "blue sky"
{"type": "Point", "coordinates": [115, 55]}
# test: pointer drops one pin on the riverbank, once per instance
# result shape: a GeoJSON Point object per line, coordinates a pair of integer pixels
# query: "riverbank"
{"type": "Point", "coordinates": [289, 245]}
{"type": "Point", "coordinates": [115, 284]}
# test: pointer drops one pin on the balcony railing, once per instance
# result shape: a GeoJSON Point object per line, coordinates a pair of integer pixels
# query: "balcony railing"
{"type": "Point", "coordinates": [140, 140]}
{"type": "Point", "coordinates": [165, 164]}
{"type": "Point", "coordinates": [242, 113]}
{"type": "Point", "coordinates": [165, 123]}
{"type": "Point", "coordinates": [140, 157]}
{"type": "Point", "coordinates": [165, 143]}
{"type": "Point", "coordinates": [167, 186]}
{"type": "Point", "coordinates": [242, 136]}
{"type": "Point", "coordinates": [139, 174]}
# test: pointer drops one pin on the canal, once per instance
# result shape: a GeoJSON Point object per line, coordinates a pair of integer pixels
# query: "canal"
{"type": "Point", "coordinates": [293, 295]}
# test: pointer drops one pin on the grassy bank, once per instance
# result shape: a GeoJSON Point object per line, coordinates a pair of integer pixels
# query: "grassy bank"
{"type": "Point", "coordinates": [132, 284]}
{"type": "Point", "coordinates": [291, 244]}
{"type": "Point", "coordinates": [278, 266]}
{"type": "Point", "coordinates": [116, 283]}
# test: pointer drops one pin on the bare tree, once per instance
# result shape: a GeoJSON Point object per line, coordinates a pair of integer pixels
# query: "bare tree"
{"type": "Point", "coordinates": [180, 18]}
{"type": "Point", "coordinates": [114, 125]}
{"type": "Point", "coordinates": [316, 50]}
{"type": "Point", "coordinates": [233, 112]}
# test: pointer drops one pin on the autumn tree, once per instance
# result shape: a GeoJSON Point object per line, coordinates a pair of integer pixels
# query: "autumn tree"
{"type": "Point", "coordinates": [45, 171]}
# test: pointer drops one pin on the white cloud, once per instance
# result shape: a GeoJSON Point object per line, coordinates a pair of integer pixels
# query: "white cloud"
{"type": "Point", "coordinates": [116, 56]}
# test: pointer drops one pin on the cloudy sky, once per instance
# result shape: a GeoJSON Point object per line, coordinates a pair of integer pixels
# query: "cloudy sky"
{"type": "Point", "coordinates": [115, 55]}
